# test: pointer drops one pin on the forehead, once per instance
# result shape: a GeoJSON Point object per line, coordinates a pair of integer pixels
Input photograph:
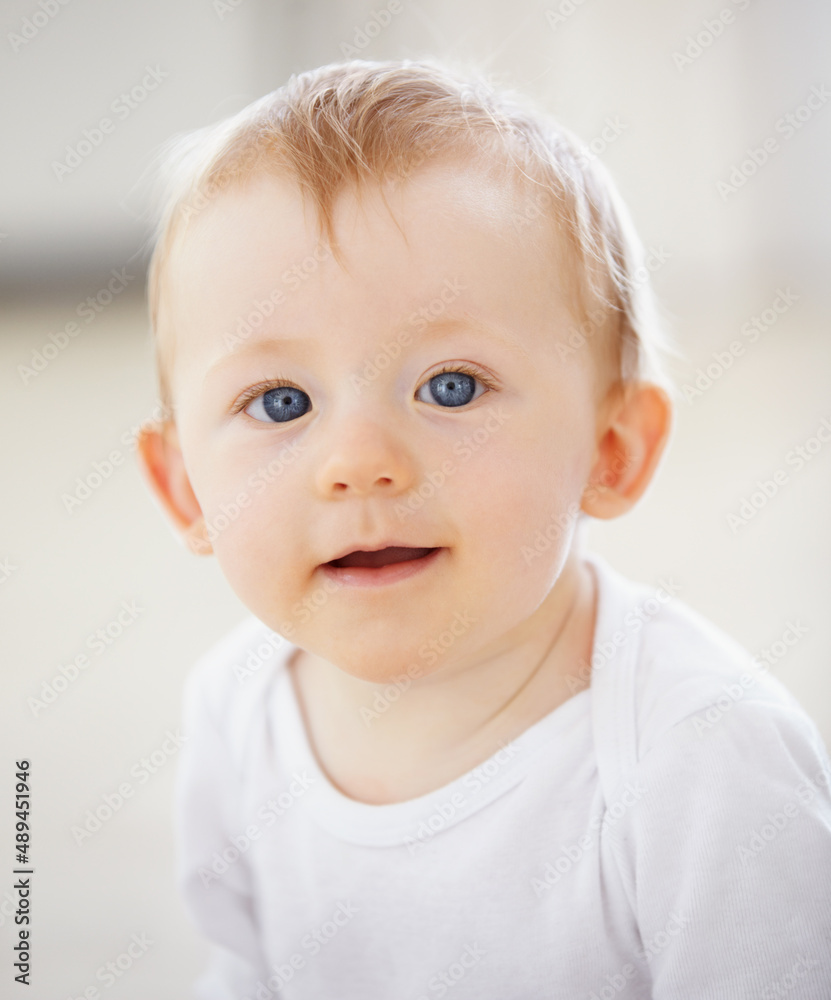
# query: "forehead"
{"type": "Point", "coordinates": [400, 242]}
{"type": "Point", "coordinates": [270, 209]}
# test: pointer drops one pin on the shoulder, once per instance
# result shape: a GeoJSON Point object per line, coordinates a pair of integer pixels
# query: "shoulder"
{"type": "Point", "coordinates": [718, 794]}
{"type": "Point", "coordinates": [683, 668]}
{"type": "Point", "coordinates": [689, 669]}
{"type": "Point", "coordinates": [724, 846]}
{"type": "Point", "coordinates": [225, 687]}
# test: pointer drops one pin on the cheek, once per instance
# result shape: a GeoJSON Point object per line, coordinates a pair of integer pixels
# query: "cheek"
{"type": "Point", "coordinates": [255, 532]}
{"type": "Point", "coordinates": [239, 488]}
{"type": "Point", "coordinates": [516, 482]}
{"type": "Point", "coordinates": [515, 503]}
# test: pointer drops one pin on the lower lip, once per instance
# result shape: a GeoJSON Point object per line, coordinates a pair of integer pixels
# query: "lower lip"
{"type": "Point", "coordinates": [367, 576]}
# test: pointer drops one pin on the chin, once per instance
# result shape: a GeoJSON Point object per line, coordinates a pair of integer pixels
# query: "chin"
{"type": "Point", "coordinates": [379, 666]}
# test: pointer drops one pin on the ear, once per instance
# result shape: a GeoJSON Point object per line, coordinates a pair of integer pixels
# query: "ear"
{"type": "Point", "coordinates": [163, 467]}
{"type": "Point", "coordinates": [633, 434]}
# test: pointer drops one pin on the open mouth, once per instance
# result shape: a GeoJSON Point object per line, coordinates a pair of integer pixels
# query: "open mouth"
{"type": "Point", "coordinates": [383, 557]}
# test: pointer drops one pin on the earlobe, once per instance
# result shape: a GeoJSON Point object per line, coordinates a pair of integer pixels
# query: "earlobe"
{"type": "Point", "coordinates": [163, 467]}
{"type": "Point", "coordinates": [629, 449]}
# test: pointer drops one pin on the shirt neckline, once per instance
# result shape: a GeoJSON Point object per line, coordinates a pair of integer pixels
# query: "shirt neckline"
{"type": "Point", "coordinates": [398, 822]}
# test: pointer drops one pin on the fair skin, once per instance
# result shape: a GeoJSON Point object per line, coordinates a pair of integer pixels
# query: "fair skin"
{"type": "Point", "coordinates": [546, 442]}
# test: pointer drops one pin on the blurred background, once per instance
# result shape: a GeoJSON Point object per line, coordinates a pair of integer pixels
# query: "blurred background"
{"type": "Point", "coordinates": [713, 116]}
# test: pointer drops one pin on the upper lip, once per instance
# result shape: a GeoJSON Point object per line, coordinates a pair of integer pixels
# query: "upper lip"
{"type": "Point", "coordinates": [366, 547]}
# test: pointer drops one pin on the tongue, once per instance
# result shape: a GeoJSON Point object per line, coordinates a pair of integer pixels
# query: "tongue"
{"type": "Point", "coordinates": [383, 557]}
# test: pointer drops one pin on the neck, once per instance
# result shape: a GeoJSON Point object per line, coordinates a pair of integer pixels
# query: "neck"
{"type": "Point", "coordinates": [489, 697]}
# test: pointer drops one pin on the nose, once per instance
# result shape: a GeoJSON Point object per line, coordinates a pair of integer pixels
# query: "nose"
{"type": "Point", "coordinates": [365, 459]}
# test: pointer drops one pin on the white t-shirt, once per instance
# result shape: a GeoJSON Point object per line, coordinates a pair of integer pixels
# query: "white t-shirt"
{"type": "Point", "coordinates": [664, 833]}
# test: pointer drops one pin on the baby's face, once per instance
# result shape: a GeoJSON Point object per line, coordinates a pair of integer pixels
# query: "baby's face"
{"type": "Point", "coordinates": [371, 444]}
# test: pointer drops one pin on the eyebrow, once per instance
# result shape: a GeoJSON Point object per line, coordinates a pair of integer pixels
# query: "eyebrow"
{"type": "Point", "coordinates": [436, 329]}
{"type": "Point", "coordinates": [442, 327]}
{"type": "Point", "coordinates": [259, 346]}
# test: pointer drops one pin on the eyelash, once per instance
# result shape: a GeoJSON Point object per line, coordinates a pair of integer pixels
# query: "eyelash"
{"type": "Point", "coordinates": [262, 387]}
{"type": "Point", "coordinates": [282, 383]}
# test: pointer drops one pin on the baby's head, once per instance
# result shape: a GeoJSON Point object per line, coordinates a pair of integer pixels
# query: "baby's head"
{"type": "Point", "coordinates": [394, 308]}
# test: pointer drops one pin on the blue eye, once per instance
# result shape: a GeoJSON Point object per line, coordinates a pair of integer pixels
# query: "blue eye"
{"type": "Point", "coordinates": [451, 388]}
{"type": "Point", "coordinates": [283, 403]}
{"type": "Point", "coordinates": [279, 405]}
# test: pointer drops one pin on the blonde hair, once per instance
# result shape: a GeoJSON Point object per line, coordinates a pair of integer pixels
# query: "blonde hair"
{"type": "Point", "coordinates": [357, 122]}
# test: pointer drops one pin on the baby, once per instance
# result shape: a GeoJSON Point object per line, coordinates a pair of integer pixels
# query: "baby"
{"type": "Point", "coordinates": [405, 335]}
